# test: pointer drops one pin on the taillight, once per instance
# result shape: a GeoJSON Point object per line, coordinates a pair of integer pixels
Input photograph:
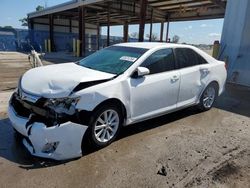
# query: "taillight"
{"type": "Point", "coordinates": [226, 62]}
{"type": "Point", "coordinates": [225, 66]}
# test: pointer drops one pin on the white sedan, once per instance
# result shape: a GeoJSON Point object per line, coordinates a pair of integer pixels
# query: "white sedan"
{"type": "Point", "coordinates": [55, 107]}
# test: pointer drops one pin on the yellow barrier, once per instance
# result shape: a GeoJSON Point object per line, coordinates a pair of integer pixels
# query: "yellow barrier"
{"type": "Point", "coordinates": [78, 48]}
{"type": "Point", "coordinates": [49, 45]}
{"type": "Point", "coordinates": [216, 49]}
{"type": "Point", "coordinates": [46, 45]}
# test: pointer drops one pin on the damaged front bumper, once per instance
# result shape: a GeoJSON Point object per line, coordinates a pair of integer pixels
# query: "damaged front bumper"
{"type": "Point", "coordinates": [61, 141]}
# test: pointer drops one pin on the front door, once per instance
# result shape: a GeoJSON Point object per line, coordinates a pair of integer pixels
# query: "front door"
{"type": "Point", "coordinates": [157, 92]}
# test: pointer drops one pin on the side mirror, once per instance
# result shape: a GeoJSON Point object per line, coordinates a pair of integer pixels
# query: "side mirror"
{"type": "Point", "coordinates": [140, 72]}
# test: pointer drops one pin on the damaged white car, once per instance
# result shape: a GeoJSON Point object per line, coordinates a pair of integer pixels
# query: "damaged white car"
{"type": "Point", "coordinates": [56, 106]}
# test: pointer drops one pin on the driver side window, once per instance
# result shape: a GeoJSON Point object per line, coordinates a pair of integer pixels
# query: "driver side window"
{"type": "Point", "coordinates": [160, 61]}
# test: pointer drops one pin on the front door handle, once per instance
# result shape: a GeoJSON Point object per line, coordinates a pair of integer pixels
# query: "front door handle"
{"type": "Point", "coordinates": [174, 78]}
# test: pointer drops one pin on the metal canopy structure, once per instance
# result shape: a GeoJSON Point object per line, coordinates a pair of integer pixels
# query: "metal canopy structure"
{"type": "Point", "coordinates": [121, 12]}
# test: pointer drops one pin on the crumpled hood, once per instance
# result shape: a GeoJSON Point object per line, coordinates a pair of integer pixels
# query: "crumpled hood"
{"type": "Point", "coordinates": [57, 81]}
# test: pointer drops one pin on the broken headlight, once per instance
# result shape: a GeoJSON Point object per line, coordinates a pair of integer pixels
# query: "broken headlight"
{"type": "Point", "coordinates": [62, 105]}
{"type": "Point", "coordinates": [65, 101]}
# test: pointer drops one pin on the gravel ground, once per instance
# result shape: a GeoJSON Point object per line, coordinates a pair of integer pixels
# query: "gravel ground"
{"type": "Point", "coordinates": [182, 149]}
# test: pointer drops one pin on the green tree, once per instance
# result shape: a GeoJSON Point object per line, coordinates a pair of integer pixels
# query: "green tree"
{"type": "Point", "coordinates": [175, 39]}
{"type": "Point", "coordinates": [7, 27]}
{"type": "Point", "coordinates": [39, 8]}
{"type": "Point", "coordinates": [154, 36]}
{"type": "Point", "coordinates": [134, 35]}
{"type": "Point", "coordinates": [24, 21]}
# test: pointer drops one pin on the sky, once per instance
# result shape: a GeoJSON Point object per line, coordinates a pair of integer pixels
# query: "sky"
{"type": "Point", "coordinates": [194, 32]}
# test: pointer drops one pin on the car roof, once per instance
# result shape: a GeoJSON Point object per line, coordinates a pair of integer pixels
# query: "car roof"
{"type": "Point", "coordinates": [150, 45]}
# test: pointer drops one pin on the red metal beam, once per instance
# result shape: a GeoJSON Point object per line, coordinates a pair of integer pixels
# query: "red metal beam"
{"type": "Point", "coordinates": [70, 25]}
{"type": "Point", "coordinates": [143, 9]}
{"type": "Point", "coordinates": [151, 25]}
{"type": "Point", "coordinates": [31, 29]}
{"type": "Point", "coordinates": [219, 3]}
{"type": "Point", "coordinates": [98, 36]}
{"type": "Point", "coordinates": [51, 32]}
{"type": "Point", "coordinates": [167, 33]}
{"type": "Point", "coordinates": [80, 27]}
{"type": "Point", "coordinates": [162, 29]}
{"type": "Point", "coordinates": [83, 31]}
{"type": "Point", "coordinates": [125, 32]}
{"type": "Point", "coordinates": [108, 25]}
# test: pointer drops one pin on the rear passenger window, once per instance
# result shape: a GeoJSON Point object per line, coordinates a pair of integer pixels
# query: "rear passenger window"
{"type": "Point", "coordinates": [201, 60]}
{"type": "Point", "coordinates": [160, 61]}
{"type": "Point", "coordinates": [186, 57]}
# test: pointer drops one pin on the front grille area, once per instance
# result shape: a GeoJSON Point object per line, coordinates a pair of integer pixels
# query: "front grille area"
{"type": "Point", "coordinates": [25, 109]}
{"type": "Point", "coordinates": [18, 107]}
{"type": "Point", "coordinates": [40, 113]}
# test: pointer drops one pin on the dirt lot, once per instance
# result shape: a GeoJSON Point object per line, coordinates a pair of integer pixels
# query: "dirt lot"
{"type": "Point", "coordinates": [182, 149]}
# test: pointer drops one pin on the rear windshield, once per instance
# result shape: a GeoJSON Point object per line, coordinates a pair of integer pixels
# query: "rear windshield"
{"type": "Point", "coordinates": [114, 59]}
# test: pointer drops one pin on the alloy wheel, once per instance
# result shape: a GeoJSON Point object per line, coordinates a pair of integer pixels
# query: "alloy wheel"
{"type": "Point", "coordinates": [209, 97]}
{"type": "Point", "coordinates": [106, 126]}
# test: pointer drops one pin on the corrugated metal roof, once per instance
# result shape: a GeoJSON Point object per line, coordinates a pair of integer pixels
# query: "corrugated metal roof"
{"type": "Point", "coordinates": [129, 11]}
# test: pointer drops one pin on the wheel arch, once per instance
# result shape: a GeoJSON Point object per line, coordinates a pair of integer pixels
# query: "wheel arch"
{"type": "Point", "coordinates": [216, 84]}
{"type": "Point", "coordinates": [112, 101]}
{"type": "Point", "coordinates": [212, 82]}
{"type": "Point", "coordinates": [115, 101]}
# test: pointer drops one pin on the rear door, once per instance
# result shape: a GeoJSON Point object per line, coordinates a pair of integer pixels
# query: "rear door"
{"type": "Point", "coordinates": [194, 72]}
{"type": "Point", "coordinates": [158, 91]}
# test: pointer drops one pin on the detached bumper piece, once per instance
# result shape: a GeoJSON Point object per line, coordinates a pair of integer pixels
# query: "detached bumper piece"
{"type": "Point", "coordinates": [59, 141]}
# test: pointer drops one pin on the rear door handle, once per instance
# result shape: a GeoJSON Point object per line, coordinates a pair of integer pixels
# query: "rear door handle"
{"type": "Point", "coordinates": [174, 78]}
{"type": "Point", "coordinates": [205, 71]}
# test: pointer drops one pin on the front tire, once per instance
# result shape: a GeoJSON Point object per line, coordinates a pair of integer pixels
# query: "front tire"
{"type": "Point", "coordinates": [208, 97]}
{"type": "Point", "coordinates": [105, 124]}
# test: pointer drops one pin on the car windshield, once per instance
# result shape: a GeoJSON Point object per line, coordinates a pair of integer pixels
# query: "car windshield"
{"type": "Point", "coordinates": [114, 59]}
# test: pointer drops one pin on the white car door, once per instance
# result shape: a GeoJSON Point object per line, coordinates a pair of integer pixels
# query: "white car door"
{"type": "Point", "coordinates": [194, 73]}
{"type": "Point", "coordinates": [157, 92]}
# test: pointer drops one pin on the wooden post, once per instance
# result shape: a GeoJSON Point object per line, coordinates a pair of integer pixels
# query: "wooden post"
{"type": "Point", "coordinates": [108, 25]}
{"type": "Point", "coordinates": [151, 25]}
{"type": "Point", "coordinates": [167, 33]}
{"type": "Point", "coordinates": [125, 32]}
{"type": "Point", "coordinates": [51, 32]}
{"type": "Point", "coordinates": [162, 29]}
{"type": "Point", "coordinates": [143, 9]}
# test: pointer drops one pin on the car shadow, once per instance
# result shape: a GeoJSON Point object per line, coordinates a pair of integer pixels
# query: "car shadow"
{"type": "Point", "coordinates": [147, 125]}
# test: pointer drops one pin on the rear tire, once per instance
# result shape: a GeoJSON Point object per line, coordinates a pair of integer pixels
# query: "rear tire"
{"type": "Point", "coordinates": [104, 125]}
{"type": "Point", "coordinates": [208, 97]}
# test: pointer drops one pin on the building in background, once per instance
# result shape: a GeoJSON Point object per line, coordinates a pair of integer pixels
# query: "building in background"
{"type": "Point", "coordinates": [235, 41]}
{"type": "Point", "coordinates": [82, 19]}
